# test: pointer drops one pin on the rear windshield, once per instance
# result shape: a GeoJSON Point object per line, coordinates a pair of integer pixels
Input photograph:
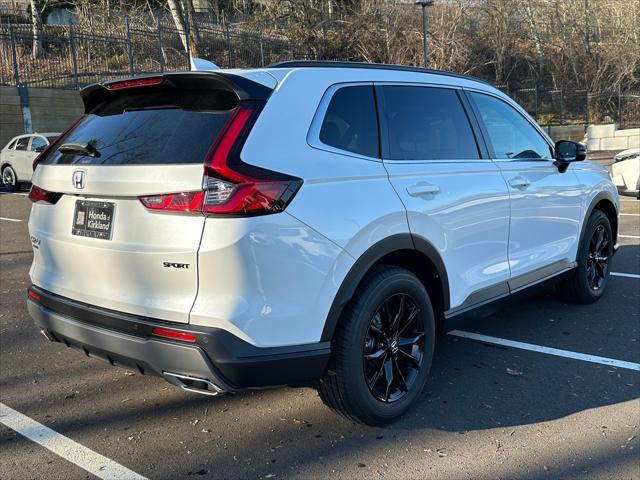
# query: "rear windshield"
{"type": "Point", "coordinates": [160, 128]}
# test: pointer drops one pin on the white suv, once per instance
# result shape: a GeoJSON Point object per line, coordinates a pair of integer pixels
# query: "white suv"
{"type": "Point", "coordinates": [311, 223]}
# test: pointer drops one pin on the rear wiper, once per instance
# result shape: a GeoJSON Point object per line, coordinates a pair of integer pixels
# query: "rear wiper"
{"type": "Point", "coordinates": [84, 149]}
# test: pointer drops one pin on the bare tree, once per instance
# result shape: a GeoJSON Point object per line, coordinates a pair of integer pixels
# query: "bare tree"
{"type": "Point", "coordinates": [36, 22]}
{"type": "Point", "coordinates": [182, 12]}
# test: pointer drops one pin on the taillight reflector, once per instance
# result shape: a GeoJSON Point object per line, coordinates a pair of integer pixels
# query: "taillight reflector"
{"type": "Point", "coordinates": [33, 295]}
{"type": "Point", "coordinates": [138, 82]}
{"type": "Point", "coordinates": [178, 202]}
{"type": "Point", "coordinates": [37, 194]}
{"type": "Point", "coordinates": [174, 334]}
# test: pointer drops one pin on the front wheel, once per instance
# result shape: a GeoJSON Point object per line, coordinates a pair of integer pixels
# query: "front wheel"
{"type": "Point", "coordinates": [590, 279]}
{"type": "Point", "coordinates": [9, 178]}
{"type": "Point", "coordinates": [383, 349]}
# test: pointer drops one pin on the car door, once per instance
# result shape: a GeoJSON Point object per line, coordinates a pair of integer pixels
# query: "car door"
{"type": "Point", "coordinates": [546, 205]}
{"type": "Point", "coordinates": [455, 196]}
{"type": "Point", "coordinates": [8, 153]}
{"type": "Point", "coordinates": [37, 145]}
{"type": "Point", "coordinates": [21, 157]}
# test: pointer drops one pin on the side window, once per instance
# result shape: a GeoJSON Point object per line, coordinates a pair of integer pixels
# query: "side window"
{"type": "Point", "coordinates": [11, 145]}
{"type": "Point", "coordinates": [351, 122]}
{"type": "Point", "coordinates": [22, 143]}
{"type": "Point", "coordinates": [38, 144]}
{"type": "Point", "coordinates": [511, 135]}
{"type": "Point", "coordinates": [425, 123]}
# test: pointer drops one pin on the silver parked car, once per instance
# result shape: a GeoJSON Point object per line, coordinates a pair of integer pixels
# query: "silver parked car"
{"type": "Point", "coordinates": [16, 158]}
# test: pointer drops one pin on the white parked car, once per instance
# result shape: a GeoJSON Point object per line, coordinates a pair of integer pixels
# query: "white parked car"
{"type": "Point", "coordinates": [16, 158]}
{"type": "Point", "coordinates": [626, 172]}
{"type": "Point", "coordinates": [311, 223]}
{"type": "Point", "coordinates": [626, 154]}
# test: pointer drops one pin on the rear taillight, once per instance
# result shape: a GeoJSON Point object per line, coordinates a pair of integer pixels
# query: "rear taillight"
{"type": "Point", "coordinates": [37, 194]}
{"type": "Point", "coordinates": [49, 147]}
{"type": "Point", "coordinates": [230, 186]}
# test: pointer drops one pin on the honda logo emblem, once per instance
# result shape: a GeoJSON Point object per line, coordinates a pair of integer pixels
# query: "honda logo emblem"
{"type": "Point", "coordinates": [78, 178]}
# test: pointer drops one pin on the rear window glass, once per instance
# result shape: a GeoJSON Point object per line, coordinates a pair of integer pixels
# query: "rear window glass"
{"type": "Point", "coordinates": [160, 128]}
{"type": "Point", "coordinates": [351, 122]}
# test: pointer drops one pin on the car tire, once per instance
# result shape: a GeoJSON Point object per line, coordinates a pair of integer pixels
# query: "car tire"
{"type": "Point", "coordinates": [9, 178]}
{"type": "Point", "coordinates": [357, 379]}
{"type": "Point", "coordinates": [590, 278]}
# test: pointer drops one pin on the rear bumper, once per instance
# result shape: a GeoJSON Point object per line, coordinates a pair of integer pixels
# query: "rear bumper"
{"type": "Point", "coordinates": [216, 362]}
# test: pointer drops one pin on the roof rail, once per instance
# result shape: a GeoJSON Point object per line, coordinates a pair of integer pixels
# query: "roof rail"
{"type": "Point", "coordinates": [375, 66]}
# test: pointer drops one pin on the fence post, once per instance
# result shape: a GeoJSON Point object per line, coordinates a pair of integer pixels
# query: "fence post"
{"type": "Point", "coordinates": [14, 55]}
{"type": "Point", "coordinates": [261, 51]}
{"type": "Point", "coordinates": [619, 105]}
{"type": "Point", "coordinates": [229, 45]}
{"type": "Point", "coordinates": [129, 46]}
{"type": "Point", "coordinates": [587, 112]}
{"type": "Point", "coordinates": [561, 107]}
{"type": "Point", "coordinates": [74, 57]}
{"type": "Point", "coordinates": [160, 50]}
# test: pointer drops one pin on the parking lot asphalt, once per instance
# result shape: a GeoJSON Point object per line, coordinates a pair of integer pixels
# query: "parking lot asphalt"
{"type": "Point", "coordinates": [488, 410]}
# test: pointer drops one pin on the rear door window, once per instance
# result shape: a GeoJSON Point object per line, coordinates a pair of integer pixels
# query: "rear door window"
{"type": "Point", "coordinates": [22, 143]}
{"type": "Point", "coordinates": [350, 122]}
{"type": "Point", "coordinates": [163, 128]}
{"type": "Point", "coordinates": [425, 123]}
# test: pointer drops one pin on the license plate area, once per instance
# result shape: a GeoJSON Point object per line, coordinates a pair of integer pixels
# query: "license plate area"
{"type": "Point", "coordinates": [93, 219]}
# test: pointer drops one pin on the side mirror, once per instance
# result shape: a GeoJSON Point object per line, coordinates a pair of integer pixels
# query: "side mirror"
{"type": "Point", "coordinates": [568, 152]}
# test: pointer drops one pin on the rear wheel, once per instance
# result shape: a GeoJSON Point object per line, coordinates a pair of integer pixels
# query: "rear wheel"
{"type": "Point", "coordinates": [9, 178]}
{"type": "Point", "coordinates": [591, 277]}
{"type": "Point", "coordinates": [383, 349]}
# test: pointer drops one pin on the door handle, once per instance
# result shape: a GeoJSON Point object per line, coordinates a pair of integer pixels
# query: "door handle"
{"type": "Point", "coordinates": [423, 189]}
{"type": "Point", "coordinates": [519, 182]}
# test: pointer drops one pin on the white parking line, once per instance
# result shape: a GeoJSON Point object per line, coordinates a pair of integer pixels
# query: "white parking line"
{"type": "Point", "coordinates": [628, 275]}
{"type": "Point", "coordinates": [14, 193]}
{"type": "Point", "coordinates": [548, 350]}
{"type": "Point", "coordinates": [628, 236]}
{"type": "Point", "coordinates": [87, 459]}
{"type": "Point", "coordinates": [11, 219]}
{"type": "Point", "coordinates": [630, 214]}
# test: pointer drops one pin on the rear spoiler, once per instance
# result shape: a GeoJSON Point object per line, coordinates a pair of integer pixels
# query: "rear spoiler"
{"type": "Point", "coordinates": [245, 89]}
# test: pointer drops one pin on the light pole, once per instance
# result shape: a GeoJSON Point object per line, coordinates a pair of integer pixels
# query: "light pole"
{"type": "Point", "coordinates": [424, 4]}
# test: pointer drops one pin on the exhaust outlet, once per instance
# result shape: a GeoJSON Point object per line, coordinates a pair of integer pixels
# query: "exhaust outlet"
{"type": "Point", "coordinates": [46, 335]}
{"type": "Point", "coordinates": [193, 384]}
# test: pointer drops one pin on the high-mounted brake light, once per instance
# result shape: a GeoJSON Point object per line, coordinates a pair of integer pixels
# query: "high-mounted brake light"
{"type": "Point", "coordinates": [37, 194]}
{"type": "Point", "coordinates": [49, 147]}
{"type": "Point", "coordinates": [138, 82]}
{"type": "Point", "coordinates": [232, 187]}
{"type": "Point", "coordinates": [173, 334]}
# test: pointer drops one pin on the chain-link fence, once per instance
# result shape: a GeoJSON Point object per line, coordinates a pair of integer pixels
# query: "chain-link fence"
{"type": "Point", "coordinates": [579, 107]}
{"type": "Point", "coordinates": [72, 57]}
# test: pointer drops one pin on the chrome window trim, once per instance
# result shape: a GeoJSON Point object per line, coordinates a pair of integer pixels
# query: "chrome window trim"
{"type": "Point", "coordinates": [313, 136]}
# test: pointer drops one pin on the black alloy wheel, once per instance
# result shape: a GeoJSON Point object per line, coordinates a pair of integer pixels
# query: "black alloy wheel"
{"type": "Point", "coordinates": [598, 258]}
{"type": "Point", "coordinates": [393, 348]}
